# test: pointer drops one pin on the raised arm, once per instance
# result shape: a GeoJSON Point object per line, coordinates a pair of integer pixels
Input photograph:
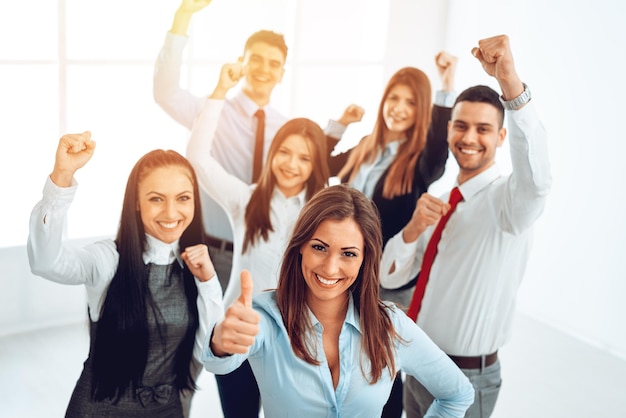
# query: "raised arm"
{"type": "Point", "coordinates": [48, 257]}
{"type": "Point", "coordinates": [530, 181]}
{"type": "Point", "coordinates": [73, 152]}
{"type": "Point", "coordinates": [210, 304]}
{"type": "Point", "coordinates": [178, 103]}
{"type": "Point", "coordinates": [184, 13]}
{"type": "Point", "coordinates": [226, 189]}
{"type": "Point", "coordinates": [495, 55]}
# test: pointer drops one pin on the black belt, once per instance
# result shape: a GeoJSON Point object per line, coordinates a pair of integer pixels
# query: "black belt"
{"type": "Point", "coordinates": [474, 362]}
{"type": "Point", "coordinates": [219, 243]}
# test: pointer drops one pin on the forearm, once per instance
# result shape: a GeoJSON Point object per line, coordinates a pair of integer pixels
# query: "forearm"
{"type": "Point", "coordinates": [400, 262]}
{"type": "Point", "coordinates": [210, 311]}
{"type": "Point", "coordinates": [432, 161]}
{"type": "Point", "coordinates": [427, 363]}
{"type": "Point", "coordinates": [216, 360]}
{"type": "Point", "coordinates": [179, 104]}
{"type": "Point", "coordinates": [180, 24]}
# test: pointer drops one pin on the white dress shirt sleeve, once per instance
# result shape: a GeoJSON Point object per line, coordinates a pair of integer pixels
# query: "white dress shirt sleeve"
{"type": "Point", "coordinates": [181, 105]}
{"type": "Point", "coordinates": [230, 192]}
{"type": "Point", "coordinates": [210, 311]}
{"type": "Point", "coordinates": [50, 257]}
{"type": "Point", "coordinates": [530, 181]}
{"type": "Point", "coordinates": [404, 258]}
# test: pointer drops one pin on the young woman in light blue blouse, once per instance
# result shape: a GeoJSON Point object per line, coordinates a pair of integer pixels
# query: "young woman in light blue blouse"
{"type": "Point", "coordinates": [323, 344]}
{"type": "Point", "coordinates": [151, 292]}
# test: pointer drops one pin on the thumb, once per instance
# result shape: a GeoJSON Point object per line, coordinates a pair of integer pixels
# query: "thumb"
{"type": "Point", "coordinates": [246, 289]}
{"type": "Point", "coordinates": [478, 54]}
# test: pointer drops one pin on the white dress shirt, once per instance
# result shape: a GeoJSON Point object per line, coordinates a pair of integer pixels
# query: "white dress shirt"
{"type": "Point", "coordinates": [263, 259]}
{"type": "Point", "coordinates": [94, 265]}
{"type": "Point", "coordinates": [470, 297]}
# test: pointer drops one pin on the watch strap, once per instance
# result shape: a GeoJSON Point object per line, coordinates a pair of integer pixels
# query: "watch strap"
{"type": "Point", "coordinates": [519, 101]}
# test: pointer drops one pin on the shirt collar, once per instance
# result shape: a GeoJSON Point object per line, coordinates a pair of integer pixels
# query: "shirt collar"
{"type": "Point", "coordinates": [300, 197]}
{"type": "Point", "coordinates": [246, 104]}
{"type": "Point", "coordinates": [392, 147]}
{"type": "Point", "coordinates": [159, 253]}
{"type": "Point", "coordinates": [479, 182]}
{"type": "Point", "coordinates": [352, 316]}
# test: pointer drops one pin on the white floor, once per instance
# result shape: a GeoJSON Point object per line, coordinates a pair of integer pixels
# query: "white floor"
{"type": "Point", "coordinates": [545, 374]}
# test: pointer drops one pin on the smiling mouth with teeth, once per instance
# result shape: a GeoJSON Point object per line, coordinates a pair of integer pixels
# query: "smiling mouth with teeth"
{"type": "Point", "coordinates": [168, 225]}
{"type": "Point", "coordinates": [326, 281]}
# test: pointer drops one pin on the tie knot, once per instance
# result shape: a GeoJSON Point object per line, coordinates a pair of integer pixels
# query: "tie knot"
{"type": "Point", "coordinates": [455, 196]}
{"type": "Point", "coordinates": [259, 114]}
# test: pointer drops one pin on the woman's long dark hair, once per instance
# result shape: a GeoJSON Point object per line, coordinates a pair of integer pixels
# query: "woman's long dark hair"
{"type": "Point", "coordinates": [338, 203]}
{"type": "Point", "coordinates": [120, 349]}
{"type": "Point", "coordinates": [257, 217]}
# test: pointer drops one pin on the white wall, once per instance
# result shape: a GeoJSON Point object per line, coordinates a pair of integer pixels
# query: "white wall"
{"type": "Point", "coordinates": [28, 302]}
{"type": "Point", "coordinates": [573, 59]}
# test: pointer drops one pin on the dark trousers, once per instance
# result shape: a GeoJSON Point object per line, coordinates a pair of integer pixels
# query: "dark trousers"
{"type": "Point", "coordinates": [239, 393]}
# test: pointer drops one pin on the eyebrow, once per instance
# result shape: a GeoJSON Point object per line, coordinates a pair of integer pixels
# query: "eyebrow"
{"type": "Point", "coordinates": [163, 194]}
{"type": "Point", "coordinates": [480, 124]}
{"type": "Point", "coordinates": [342, 248]}
{"type": "Point", "coordinates": [257, 55]}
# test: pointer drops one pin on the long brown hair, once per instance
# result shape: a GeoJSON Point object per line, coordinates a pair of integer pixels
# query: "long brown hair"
{"type": "Point", "coordinates": [399, 179]}
{"type": "Point", "coordinates": [257, 218]}
{"type": "Point", "coordinates": [337, 203]}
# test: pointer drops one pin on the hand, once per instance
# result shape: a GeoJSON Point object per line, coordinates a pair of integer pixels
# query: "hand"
{"type": "Point", "coordinates": [230, 74]}
{"type": "Point", "coordinates": [236, 332]}
{"type": "Point", "coordinates": [496, 57]}
{"type": "Point", "coordinates": [192, 6]}
{"type": "Point", "coordinates": [428, 211]}
{"type": "Point", "coordinates": [446, 66]}
{"type": "Point", "coordinates": [73, 152]}
{"type": "Point", "coordinates": [183, 15]}
{"type": "Point", "coordinates": [199, 262]}
{"type": "Point", "coordinates": [353, 113]}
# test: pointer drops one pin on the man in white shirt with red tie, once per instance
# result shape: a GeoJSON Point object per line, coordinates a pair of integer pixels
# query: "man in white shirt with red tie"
{"type": "Point", "coordinates": [469, 299]}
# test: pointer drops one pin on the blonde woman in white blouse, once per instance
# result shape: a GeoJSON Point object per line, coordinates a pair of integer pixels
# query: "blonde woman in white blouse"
{"type": "Point", "coordinates": [262, 215]}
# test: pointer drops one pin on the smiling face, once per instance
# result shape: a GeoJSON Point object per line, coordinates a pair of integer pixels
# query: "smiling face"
{"type": "Point", "coordinates": [474, 135]}
{"type": "Point", "coordinates": [264, 66]}
{"type": "Point", "coordinates": [292, 164]}
{"type": "Point", "coordinates": [166, 202]}
{"type": "Point", "coordinates": [331, 261]}
{"type": "Point", "coordinates": [399, 111]}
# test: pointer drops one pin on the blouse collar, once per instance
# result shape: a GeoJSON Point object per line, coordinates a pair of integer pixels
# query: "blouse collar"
{"type": "Point", "coordinates": [159, 253]}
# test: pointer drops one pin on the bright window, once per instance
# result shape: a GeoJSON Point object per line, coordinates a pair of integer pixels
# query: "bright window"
{"type": "Point", "coordinates": [76, 65]}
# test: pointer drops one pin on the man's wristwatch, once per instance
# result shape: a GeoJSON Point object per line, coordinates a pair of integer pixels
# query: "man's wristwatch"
{"type": "Point", "coordinates": [519, 101]}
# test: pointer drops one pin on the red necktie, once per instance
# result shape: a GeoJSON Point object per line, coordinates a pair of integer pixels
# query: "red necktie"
{"type": "Point", "coordinates": [258, 145]}
{"type": "Point", "coordinates": [429, 256]}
